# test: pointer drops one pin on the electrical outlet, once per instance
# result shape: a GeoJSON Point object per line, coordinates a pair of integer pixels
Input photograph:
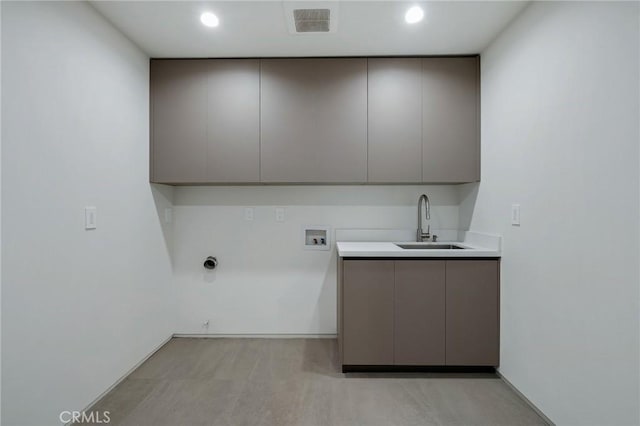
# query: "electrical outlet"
{"type": "Point", "coordinates": [248, 214]}
{"type": "Point", "coordinates": [279, 214]}
{"type": "Point", "coordinates": [515, 214]}
{"type": "Point", "coordinates": [90, 217]}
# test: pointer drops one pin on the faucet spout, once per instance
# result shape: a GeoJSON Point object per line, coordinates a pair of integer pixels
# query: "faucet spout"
{"type": "Point", "coordinates": [422, 236]}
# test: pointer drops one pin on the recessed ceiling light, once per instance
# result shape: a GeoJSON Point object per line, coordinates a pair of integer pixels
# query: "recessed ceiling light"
{"type": "Point", "coordinates": [414, 14]}
{"type": "Point", "coordinates": [209, 19]}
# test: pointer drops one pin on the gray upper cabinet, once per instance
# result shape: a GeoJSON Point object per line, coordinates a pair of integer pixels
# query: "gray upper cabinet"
{"type": "Point", "coordinates": [178, 121]}
{"type": "Point", "coordinates": [450, 120]}
{"type": "Point", "coordinates": [233, 118]}
{"type": "Point", "coordinates": [314, 120]}
{"type": "Point", "coordinates": [395, 120]}
{"type": "Point", "coordinates": [205, 121]}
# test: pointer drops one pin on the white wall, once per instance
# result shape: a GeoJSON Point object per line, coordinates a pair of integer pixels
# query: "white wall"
{"type": "Point", "coordinates": [266, 283]}
{"type": "Point", "coordinates": [560, 117]}
{"type": "Point", "coordinates": [0, 215]}
{"type": "Point", "coordinates": [79, 308]}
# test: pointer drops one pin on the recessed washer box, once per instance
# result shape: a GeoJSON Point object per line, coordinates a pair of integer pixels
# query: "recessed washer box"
{"type": "Point", "coordinates": [316, 237]}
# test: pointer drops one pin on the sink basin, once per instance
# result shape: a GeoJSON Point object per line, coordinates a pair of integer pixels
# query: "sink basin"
{"type": "Point", "coordinates": [429, 246]}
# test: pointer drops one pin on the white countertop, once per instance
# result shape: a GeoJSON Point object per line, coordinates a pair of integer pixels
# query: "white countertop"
{"type": "Point", "coordinates": [390, 249]}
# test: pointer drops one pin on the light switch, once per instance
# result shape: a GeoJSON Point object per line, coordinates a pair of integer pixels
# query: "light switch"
{"type": "Point", "coordinates": [90, 217]}
{"type": "Point", "coordinates": [515, 214]}
{"type": "Point", "coordinates": [279, 214]}
{"type": "Point", "coordinates": [248, 214]}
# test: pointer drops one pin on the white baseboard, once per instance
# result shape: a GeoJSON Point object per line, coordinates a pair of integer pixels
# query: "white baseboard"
{"type": "Point", "coordinates": [257, 336]}
{"type": "Point", "coordinates": [117, 382]}
{"type": "Point", "coordinates": [525, 399]}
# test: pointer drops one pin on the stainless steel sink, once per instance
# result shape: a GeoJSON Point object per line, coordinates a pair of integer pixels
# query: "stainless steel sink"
{"type": "Point", "coordinates": [429, 246]}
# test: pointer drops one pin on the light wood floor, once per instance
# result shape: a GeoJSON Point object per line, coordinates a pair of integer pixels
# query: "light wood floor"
{"type": "Point", "coordinates": [279, 382]}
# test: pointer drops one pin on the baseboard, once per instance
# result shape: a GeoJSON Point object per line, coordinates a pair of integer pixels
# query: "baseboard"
{"type": "Point", "coordinates": [525, 399]}
{"type": "Point", "coordinates": [117, 382]}
{"type": "Point", "coordinates": [257, 336]}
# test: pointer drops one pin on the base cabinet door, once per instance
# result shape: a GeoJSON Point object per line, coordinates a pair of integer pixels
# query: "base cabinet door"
{"type": "Point", "coordinates": [472, 316]}
{"type": "Point", "coordinates": [367, 317]}
{"type": "Point", "coordinates": [419, 326]}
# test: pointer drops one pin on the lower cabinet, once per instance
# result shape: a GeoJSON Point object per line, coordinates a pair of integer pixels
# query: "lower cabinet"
{"type": "Point", "coordinates": [473, 309]}
{"type": "Point", "coordinates": [419, 312]}
{"type": "Point", "coordinates": [368, 321]}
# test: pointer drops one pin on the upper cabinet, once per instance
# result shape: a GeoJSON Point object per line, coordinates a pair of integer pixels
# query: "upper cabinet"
{"type": "Point", "coordinates": [233, 121]}
{"type": "Point", "coordinates": [314, 120]}
{"type": "Point", "coordinates": [178, 121]}
{"type": "Point", "coordinates": [205, 121]}
{"type": "Point", "coordinates": [450, 120]}
{"type": "Point", "coordinates": [395, 120]}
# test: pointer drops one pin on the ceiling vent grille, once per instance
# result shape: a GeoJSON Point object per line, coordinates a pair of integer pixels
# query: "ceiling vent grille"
{"type": "Point", "coordinates": [312, 20]}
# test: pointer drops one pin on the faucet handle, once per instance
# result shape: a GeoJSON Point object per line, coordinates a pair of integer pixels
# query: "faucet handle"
{"type": "Point", "coordinates": [434, 238]}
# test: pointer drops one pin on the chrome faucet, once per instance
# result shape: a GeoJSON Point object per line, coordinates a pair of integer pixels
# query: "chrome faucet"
{"type": "Point", "coordinates": [421, 236]}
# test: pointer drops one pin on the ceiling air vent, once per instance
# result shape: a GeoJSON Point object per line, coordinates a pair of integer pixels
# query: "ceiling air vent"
{"type": "Point", "coordinates": [311, 20]}
{"type": "Point", "coordinates": [310, 17]}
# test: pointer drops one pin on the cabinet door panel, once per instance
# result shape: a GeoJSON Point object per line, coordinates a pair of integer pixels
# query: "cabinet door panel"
{"type": "Point", "coordinates": [313, 120]}
{"type": "Point", "coordinates": [451, 127]}
{"type": "Point", "coordinates": [395, 120]}
{"type": "Point", "coordinates": [367, 317]}
{"type": "Point", "coordinates": [179, 120]}
{"type": "Point", "coordinates": [419, 312]}
{"type": "Point", "coordinates": [233, 120]}
{"type": "Point", "coordinates": [473, 312]}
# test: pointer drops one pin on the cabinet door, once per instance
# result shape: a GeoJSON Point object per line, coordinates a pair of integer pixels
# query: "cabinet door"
{"type": "Point", "coordinates": [473, 320]}
{"type": "Point", "coordinates": [178, 121]}
{"type": "Point", "coordinates": [395, 120]}
{"type": "Point", "coordinates": [419, 312]}
{"type": "Point", "coordinates": [233, 120]}
{"type": "Point", "coordinates": [314, 120]}
{"type": "Point", "coordinates": [367, 312]}
{"type": "Point", "coordinates": [450, 120]}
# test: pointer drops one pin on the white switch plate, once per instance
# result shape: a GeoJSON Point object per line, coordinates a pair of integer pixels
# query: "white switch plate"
{"type": "Point", "coordinates": [90, 217]}
{"type": "Point", "coordinates": [279, 214]}
{"type": "Point", "coordinates": [168, 215]}
{"type": "Point", "coordinates": [515, 214]}
{"type": "Point", "coordinates": [248, 214]}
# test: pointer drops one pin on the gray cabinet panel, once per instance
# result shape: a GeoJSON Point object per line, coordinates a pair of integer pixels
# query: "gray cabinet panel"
{"type": "Point", "coordinates": [419, 312]}
{"type": "Point", "coordinates": [319, 120]}
{"type": "Point", "coordinates": [233, 121]}
{"type": "Point", "coordinates": [205, 121]}
{"type": "Point", "coordinates": [367, 316]}
{"type": "Point", "coordinates": [473, 312]}
{"type": "Point", "coordinates": [395, 120]}
{"type": "Point", "coordinates": [178, 121]}
{"type": "Point", "coordinates": [451, 128]}
{"type": "Point", "coordinates": [314, 120]}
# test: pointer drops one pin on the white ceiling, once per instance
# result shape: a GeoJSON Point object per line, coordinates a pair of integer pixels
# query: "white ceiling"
{"type": "Point", "coordinates": [259, 28]}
